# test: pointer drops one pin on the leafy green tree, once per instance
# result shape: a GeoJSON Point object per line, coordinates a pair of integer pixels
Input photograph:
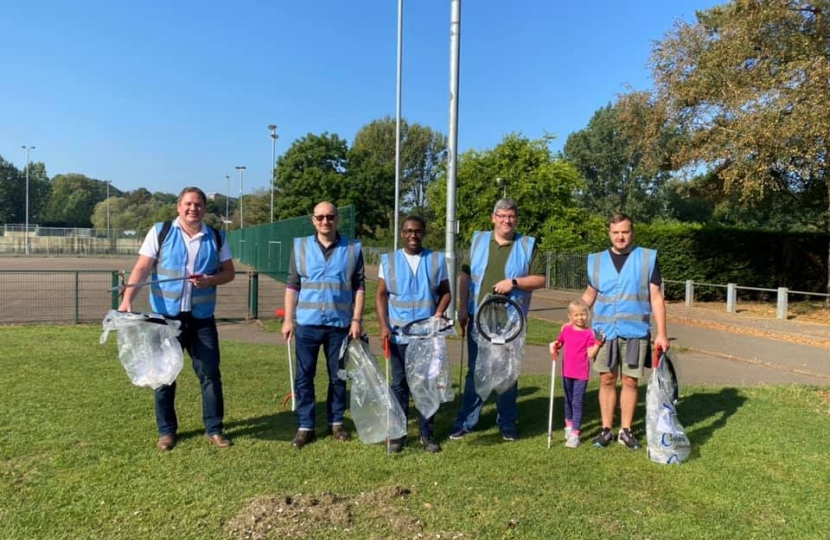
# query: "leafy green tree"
{"type": "Point", "coordinates": [313, 169]}
{"type": "Point", "coordinates": [542, 185]}
{"type": "Point", "coordinates": [747, 87]}
{"type": "Point", "coordinates": [423, 154]}
{"type": "Point", "coordinates": [616, 177]}
{"type": "Point", "coordinates": [72, 200]}
{"type": "Point", "coordinates": [371, 189]}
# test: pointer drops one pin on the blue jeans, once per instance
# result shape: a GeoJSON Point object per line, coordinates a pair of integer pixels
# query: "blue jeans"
{"type": "Point", "coordinates": [400, 387]}
{"type": "Point", "coordinates": [201, 341]}
{"type": "Point", "coordinates": [308, 339]}
{"type": "Point", "coordinates": [471, 405]}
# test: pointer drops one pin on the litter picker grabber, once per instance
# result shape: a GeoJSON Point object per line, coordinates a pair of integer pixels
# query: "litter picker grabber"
{"type": "Point", "coordinates": [461, 364]}
{"type": "Point", "coordinates": [121, 288]}
{"type": "Point", "coordinates": [290, 378]}
{"type": "Point", "coordinates": [554, 352]}
{"type": "Point", "coordinates": [387, 355]}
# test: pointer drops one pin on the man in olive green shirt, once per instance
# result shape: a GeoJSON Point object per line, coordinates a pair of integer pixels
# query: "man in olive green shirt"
{"type": "Point", "coordinates": [504, 262]}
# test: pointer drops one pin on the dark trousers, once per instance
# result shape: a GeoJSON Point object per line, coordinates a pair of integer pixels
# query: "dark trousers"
{"type": "Point", "coordinates": [308, 340]}
{"type": "Point", "coordinates": [201, 341]}
{"type": "Point", "coordinates": [400, 387]}
{"type": "Point", "coordinates": [574, 398]}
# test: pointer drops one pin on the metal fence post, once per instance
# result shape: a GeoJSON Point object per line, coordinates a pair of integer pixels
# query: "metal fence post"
{"type": "Point", "coordinates": [547, 269]}
{"type": "Point", "coordinates": [731, 297]}
{"type": "Point", "coordinates": [690, 292]}
{"type": "Point", "coordinates": [115, 292]}
{"type": "Point", "coordinates": [781, 311]}
{"type": "Point", "coordinates": [253, 295]}
{"type": "Point", "coordinates": [77, 298]}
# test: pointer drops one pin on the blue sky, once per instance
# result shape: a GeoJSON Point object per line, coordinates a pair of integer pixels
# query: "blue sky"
{"type": "Point", "coordinates": [165, 94]}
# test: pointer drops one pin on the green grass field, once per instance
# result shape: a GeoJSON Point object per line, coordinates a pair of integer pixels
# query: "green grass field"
{"type": "Point", "coordinates": [78, 460]}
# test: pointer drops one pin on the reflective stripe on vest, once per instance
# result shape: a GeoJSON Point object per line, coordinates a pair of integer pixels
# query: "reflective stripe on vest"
{"type": "Point", "coordinates": [166, 298]}
{"type": "Point", "coordinates": [326, 296]}
{"type": "Point", "coordinates": [517, 266]}
{"type": "Point", "coordinates": [623, 304]}
{"type": "Point", "coordinates": [412, 296]}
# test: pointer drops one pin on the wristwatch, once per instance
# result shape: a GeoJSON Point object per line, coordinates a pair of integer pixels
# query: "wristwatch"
{"type": "Point", "coordinates": [515, 282]}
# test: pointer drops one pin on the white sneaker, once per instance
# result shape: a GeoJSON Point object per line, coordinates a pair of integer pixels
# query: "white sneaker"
{"type": "Point", "coordinates": [572, 442]}
{"type": "Point", "coordinates": [567, 433]}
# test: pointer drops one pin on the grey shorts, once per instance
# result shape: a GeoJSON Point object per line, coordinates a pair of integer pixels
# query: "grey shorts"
{"type": "Point", "coordinates": [600, 363]}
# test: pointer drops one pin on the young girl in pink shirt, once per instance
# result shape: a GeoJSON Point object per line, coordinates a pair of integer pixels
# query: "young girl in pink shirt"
{"type": "Point", "coordinates": [580, 347]}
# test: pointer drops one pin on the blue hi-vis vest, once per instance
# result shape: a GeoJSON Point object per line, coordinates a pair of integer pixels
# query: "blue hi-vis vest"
{"type": "Point", "coordinates": [518, 265]}
{"type": "Point", "coordinates": [623, 304]}
{"type": "Point", "coordinates": [412, 296]}
{"type": "Point", "coordinates": [326, 296]}
{"type": "Point", "coordinates": [166, 298]}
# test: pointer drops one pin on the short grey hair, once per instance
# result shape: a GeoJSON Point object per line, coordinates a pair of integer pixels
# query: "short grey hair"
{"type": "Point", "coordinates": [506, 204]}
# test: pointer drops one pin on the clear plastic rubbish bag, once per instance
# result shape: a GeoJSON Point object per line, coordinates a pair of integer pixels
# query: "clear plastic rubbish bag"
{"type": "Point", "coordinates": [498, 365]}
{"type": "Point", "coordinates": [370, 396]}
{"type": "Point", "coordinates": [428, 369]}
{"type": "Point", "coordinates": [666, 439]}
{"type": "Point", "coordinates": [147, 346]}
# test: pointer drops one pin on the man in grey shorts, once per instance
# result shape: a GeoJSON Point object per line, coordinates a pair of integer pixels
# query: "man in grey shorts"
{"type": "Point", "coordinates": [624, 290]}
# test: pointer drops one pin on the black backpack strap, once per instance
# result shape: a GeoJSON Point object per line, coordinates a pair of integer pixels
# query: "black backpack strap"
{"type": "Point", "coordinates": [220, 240]}
{"type": "Point", "coordinates": [165, 228]}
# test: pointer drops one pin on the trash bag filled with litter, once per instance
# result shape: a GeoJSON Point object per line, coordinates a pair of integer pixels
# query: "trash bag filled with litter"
{"type": "Point", "coordinates": [428, 366]}
{"type": "Point", "coordinates": [370, 396]}
{"type": "Point", "coordinates": [147, 346]}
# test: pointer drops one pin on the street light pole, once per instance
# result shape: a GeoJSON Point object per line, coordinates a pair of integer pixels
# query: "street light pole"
{"type": "Point", "coordinates": [108, 209]}
{"type": "Point", "coordinates": [274, 137]}
{"type": "Point", "coordinates": [26, 232]}
{"type": "Point", "coordinates": [241, 170]}
{"type": "Point", "coordinates": [227, 201]}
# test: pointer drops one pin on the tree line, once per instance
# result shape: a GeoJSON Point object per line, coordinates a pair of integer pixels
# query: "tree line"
{"type": "Point", "coordinates": [734, 132]}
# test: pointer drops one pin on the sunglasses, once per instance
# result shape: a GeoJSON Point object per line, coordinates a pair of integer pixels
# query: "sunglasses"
{"type": "Point", "coordinates": [413, 232]}
{"type": "Point", "coordinates": [327, 217]}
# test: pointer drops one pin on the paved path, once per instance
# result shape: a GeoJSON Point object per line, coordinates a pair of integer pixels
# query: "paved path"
{"type": "Point", "coordinates": [715, 348]}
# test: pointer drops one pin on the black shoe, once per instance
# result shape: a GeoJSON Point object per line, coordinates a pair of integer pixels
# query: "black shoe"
{"type": "Point", "coordinates": [302, 438]}
{"type": "Point", "coordinates": [457, 434]}
{"type": "Point", "coordinates": [397, 445]}
{"type": "Point", "coordinates": [429, 444]}
{"type": "Point", "coordinates": [625, 437]}
{"type": "Point", "coordinates": [604, 438]}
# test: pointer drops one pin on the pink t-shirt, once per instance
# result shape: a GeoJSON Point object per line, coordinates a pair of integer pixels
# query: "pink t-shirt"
{"type": "Point", "coordinates": [575, 343]}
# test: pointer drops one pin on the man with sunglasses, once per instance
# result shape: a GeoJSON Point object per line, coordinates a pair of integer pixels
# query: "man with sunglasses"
{"type": "Point", "coordinates": [412, 285]}
{"type": "Point", "coordinates": [324, 297]}
{"type": "Point", "coordinates": [504, 262]}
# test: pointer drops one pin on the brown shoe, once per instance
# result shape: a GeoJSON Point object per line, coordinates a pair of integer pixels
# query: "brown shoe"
{"type": "Point", "coordinates": [166, 442]}
{"type": "Point", "coordinates": [339, 433]}
{"type": "Point", "coordinates": [219, 440]}
{"type": "Point", "coordinates": [302, 438]}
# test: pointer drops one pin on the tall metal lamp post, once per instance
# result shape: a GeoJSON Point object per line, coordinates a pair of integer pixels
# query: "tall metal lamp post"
{"type": "Point", "coordinates": [274, 137]}
{"type": "Point", "coordinates": [108, 209]}
{"type": "Point", "coordinates": [241, 170]}
{"type": "Point", "coordinates": [26, 232]}
{"type": "Point", "coordinates": [227, 202]}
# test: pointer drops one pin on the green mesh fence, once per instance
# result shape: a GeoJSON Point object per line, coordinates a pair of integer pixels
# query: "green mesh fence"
{"type": "Point", "coordinates": [267, 248]}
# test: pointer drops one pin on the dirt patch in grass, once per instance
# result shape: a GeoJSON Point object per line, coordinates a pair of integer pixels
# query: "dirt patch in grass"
{"type": "Point", "coordinates": [384, 510]}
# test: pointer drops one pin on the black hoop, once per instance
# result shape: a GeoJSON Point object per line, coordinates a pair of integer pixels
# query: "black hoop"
{"type": "Point", "coordinates": [506, 303]}
{"type": "Point", "coordinates": [409, 331]}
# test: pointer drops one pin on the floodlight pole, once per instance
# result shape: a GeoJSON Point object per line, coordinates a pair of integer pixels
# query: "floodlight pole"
{"type": "Point", "coordinates": [274, 137]}
{"type": "Point", "coordinates": [452, 149]}
{"type": "Point", "coordinates": [26, 232]}
{"type": "Point", "coordinates": [108, 209]}
{"type": "Point", "coordinates": [398, 127]}
{"type": "Point", "coordinates": [227, 201]}
{"type": "Point", "coordinates": [241, 170]}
